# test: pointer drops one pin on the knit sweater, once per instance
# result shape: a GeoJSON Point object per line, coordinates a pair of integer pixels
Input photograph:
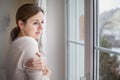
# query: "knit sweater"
{"type": "Point", "coordinates": [20, 51]}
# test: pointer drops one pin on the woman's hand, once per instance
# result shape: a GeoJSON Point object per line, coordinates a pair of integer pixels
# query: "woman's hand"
{"type": "Point", "coordinates": [38, 64]}
{"type": "Point", "coordinates": [47, 72]}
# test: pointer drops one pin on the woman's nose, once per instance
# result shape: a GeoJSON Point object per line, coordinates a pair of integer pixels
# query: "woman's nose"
{"type": "Point", "coordinates": [40, 27]}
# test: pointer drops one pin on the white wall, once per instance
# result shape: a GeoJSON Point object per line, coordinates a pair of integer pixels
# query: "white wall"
{"type": "Point", "coordinates": [55, 38]}
{"type": "Point", "coordinates": [7, 22]}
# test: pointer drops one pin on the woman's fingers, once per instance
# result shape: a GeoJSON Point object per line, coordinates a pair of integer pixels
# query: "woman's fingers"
{"type": "Point", "coordinates": [36, 67]}
{"type": "Point", "coordinates": [36, 63]}
{"type": "Point", "coordinates": [47, 72]}
{"type": "Point", "coordinates": [33, 62]}
{"type": "Point", "coordinates": [41, 64]}
{"type": "Point", "coordinates": [29, 62]}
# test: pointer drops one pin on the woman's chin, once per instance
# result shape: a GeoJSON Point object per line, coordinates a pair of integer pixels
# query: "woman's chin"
{"type": "Point", "coordinates": [37, 38]}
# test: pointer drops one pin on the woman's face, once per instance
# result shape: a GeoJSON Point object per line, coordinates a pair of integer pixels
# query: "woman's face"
{"type": "Point", "coordinates": [34, 26]}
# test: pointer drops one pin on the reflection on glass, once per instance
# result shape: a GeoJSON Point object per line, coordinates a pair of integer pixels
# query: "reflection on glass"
{"type": "Point", "coordinates": [80, 21]}
{"type": "Point", "coordinates": [82, 27]}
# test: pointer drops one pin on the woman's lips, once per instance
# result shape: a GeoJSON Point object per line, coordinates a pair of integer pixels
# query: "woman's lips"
{"type": "Point", "coordinates": [37, 33]}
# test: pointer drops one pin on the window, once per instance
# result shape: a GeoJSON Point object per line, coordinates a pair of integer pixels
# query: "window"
{"type": "Point", "coordinates": [42, 4]}
{"type": "Point", "coordinates": [75, 40]}
{"type": "Point", "coordinates": [107, 40]}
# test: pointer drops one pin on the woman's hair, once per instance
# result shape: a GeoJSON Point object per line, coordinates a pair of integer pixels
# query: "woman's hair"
{"type": "Point", "coordinates": [24, 13]}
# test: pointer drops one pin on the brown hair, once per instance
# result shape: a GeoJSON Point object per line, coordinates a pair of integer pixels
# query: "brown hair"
{"type": "Point", "coordinates": [24, 13]}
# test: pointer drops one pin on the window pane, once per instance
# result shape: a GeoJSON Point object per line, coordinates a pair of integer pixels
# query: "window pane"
{"type": "Point", "coordinates": [76, 61]}
{"type": "Point", "coordinates": [107, 38]}
{"type": "Point", "coordinates": [72, 61]}
{"type": "Point", "coordinates": [108, 68]}
{"type": "Point", "coordinates": [80, 21]}
{"type": "Point", "coordinates": [75, 26]}
{"type": "Point", "coordinates": [71, 20]}
{"type": "Point", "coordinates": [80, 57]}
{"type": "Point", "coordinates": [109, 23]}
{"type": "Point", "coordinates": [76, 20]}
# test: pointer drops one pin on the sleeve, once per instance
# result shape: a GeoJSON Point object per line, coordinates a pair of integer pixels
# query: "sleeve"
{"type": "Point", "coordinates": [29, 51]}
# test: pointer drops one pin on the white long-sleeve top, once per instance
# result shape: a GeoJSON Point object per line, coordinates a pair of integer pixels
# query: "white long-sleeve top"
{"type": "Point", "coordinates": [20, 51]}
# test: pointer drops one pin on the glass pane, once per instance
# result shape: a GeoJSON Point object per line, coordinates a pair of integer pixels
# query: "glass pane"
{"type": "Point", "coordinates": [108, 66]}
{"type": "Point", "coordinates": [109, 23]}
{"type": "Point", "coordinates": [75, 39]}
{"type": "Point", "coordinates": [71, 20]}
{"type": "Point", "coordinates": [80, 56]}
{"type": "Point", "coordinates": [72, 61]}
{"type": "Point", "coordinates": [80, 21]}
{"type": "Point", "coordinates": [76, 61]}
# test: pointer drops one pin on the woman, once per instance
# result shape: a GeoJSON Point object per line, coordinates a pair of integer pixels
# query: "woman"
{"type": "Point", "coordinates": [24, 47]}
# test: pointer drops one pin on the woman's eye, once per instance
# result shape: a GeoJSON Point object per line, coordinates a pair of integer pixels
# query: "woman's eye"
{"type": "Point", "coordinates": [35, 23]}
{"type": "Point", "coordinates": [42, 22]}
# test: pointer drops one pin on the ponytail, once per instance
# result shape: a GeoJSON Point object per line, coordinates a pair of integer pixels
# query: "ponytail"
{"type": "Point", "coordinates": [14, 33]}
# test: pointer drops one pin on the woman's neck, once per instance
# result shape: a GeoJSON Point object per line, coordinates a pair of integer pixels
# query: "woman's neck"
{"type": "Point", "coordinates": [20, 35]}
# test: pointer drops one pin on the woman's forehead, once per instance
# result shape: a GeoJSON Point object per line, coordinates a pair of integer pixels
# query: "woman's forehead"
{"type": "Point", "coordinates": [38, 17]}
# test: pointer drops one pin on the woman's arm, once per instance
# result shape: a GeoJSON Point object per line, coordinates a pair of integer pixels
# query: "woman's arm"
{"type": "Point", "coordinates": [38, 64]}
{"type": "Point", "coordinates": [29, 51]}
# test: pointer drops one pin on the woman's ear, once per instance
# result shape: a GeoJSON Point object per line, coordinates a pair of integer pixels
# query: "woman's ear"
{"type": "Point", "coordinates": [21, 24]}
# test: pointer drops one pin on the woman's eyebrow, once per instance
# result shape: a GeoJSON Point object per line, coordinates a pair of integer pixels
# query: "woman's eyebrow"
{"type": "Point", "coordinates": [35, 20]}
{"type": "Point", "coordinates": [38, 20]}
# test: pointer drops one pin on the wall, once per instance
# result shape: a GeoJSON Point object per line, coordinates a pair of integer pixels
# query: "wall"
{"type": "Point", "coordinates": [55, 38]}
{"type": "Point", "coordinates": [7, 22]}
